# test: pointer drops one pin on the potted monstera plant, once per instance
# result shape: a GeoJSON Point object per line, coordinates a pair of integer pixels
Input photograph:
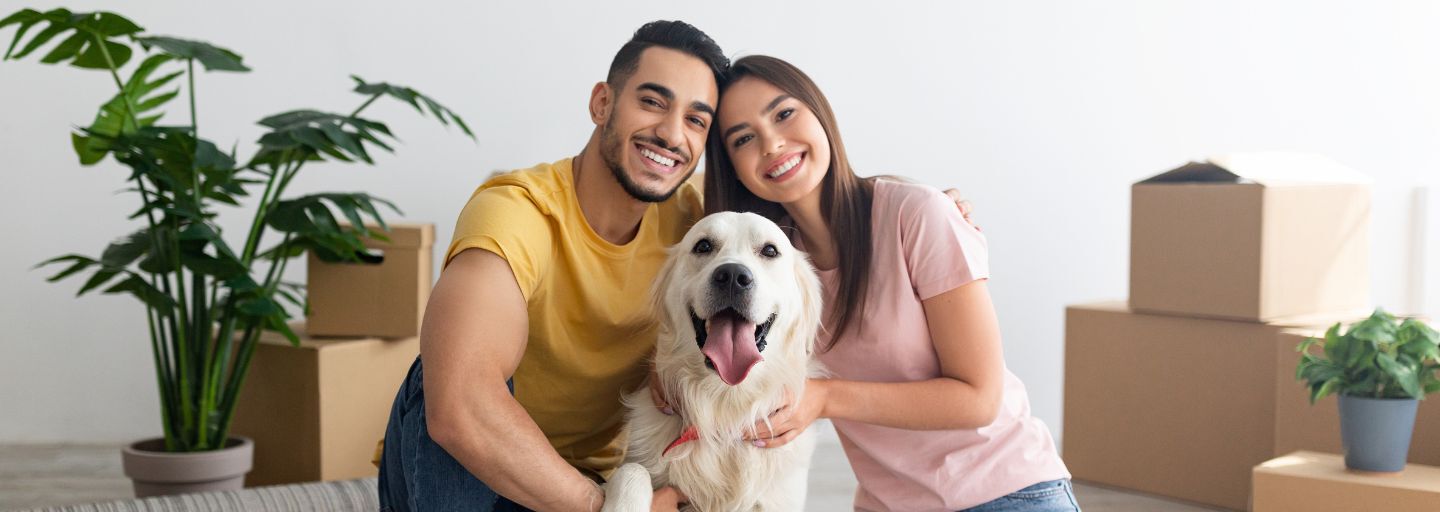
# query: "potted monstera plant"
{"type": "Point", "coordinates": [1381, 368]}
{"type": "Point", "coordinates": [206, 301]}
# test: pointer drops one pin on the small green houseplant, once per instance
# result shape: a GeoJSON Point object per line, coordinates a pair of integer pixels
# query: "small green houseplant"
{"type": "Point", "coordinates": [206, 302]}
{"type": "Point", "coordinates": [1380, 367]}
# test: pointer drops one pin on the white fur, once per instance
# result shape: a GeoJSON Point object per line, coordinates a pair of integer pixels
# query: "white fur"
{"type": "Point", "coordinates": [719, 472]}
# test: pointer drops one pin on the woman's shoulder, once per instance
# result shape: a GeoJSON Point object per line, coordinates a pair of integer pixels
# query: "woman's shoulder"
{"type": "Point", "coordinates": [906, 199]}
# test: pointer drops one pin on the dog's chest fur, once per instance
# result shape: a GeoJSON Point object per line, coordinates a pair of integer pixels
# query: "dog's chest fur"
{"type": "Point", "coordinates": [719, 471]}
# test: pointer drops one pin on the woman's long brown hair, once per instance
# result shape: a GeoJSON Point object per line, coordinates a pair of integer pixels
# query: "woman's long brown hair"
{"type": "Point", "coordinates": [844, 197]}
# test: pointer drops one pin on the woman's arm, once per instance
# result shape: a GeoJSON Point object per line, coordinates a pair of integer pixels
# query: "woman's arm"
{"type": "Point", "coordinates": [966, 335]}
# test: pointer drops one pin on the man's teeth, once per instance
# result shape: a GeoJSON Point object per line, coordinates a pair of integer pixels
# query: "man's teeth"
{"type": "Point", "coordinates": [785, 167]}
{"type": "Point", "coordinates": [667, 162]}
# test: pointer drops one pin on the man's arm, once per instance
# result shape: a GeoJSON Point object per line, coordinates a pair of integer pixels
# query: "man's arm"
{"type": "Point", "coordinates": [474, 335]}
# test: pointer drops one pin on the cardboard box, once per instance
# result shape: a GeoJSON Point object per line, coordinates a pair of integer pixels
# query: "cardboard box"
{"type": "Point", "coordinates": [1176, 406]}
{"type": "Point", "coordinates": [1319, 482]}
{"type": "Point", "coordinates": [1251, 237]}
{"type": "Point", "coordinates": [315, 411]}
{"type": "Point", "coordinates": [386, 299]}
{"type": "Point", "coordinates": [1301, 426]}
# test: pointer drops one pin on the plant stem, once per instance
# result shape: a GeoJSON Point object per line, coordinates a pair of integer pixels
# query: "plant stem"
{"type": "Point", "coordinates": [252, 241]}
{"type": "Point", "coordinates": [162, 379]}
{"type": "Point", "coordinates": [195, 134]}
{"type": "Point", "coordinates": [366, 104]}
{"type": "Point", "coordinates": [177, 334]}
{"type": "Point", "coordinates": [247, 349]}
{"type": "Point", "coordinates": [203, 332]}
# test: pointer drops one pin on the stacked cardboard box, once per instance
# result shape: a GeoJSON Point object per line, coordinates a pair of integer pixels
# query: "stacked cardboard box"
{"type": "Point", "coordinates": [385, 299]}
{"type": "Point", "coordinates": [1175, 392]}
{"type": "Point", "coordinates": [1319, 482]}
{"type": "Point", "coordinates": [316, 410]}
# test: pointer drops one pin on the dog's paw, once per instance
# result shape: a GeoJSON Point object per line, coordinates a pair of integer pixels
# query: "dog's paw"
{"type": "Point", "coordinates": [628, 490]}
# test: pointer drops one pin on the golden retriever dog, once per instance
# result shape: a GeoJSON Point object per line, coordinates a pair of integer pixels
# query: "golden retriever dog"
{"type": "Point", "coordinates": [738, 308]}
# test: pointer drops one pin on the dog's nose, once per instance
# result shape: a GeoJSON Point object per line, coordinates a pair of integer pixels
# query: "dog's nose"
{"type": "Point", "coordinates": [732, 278]}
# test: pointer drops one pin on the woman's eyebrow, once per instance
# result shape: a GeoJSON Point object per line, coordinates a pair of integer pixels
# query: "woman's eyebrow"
{"type": "Point", "coordinates": [773, 103]}
{"type": "Point", "coordinates": [734, 129]}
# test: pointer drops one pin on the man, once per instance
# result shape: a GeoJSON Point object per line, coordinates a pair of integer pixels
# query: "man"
{"type": "Point", "coordinates": [546, 283]}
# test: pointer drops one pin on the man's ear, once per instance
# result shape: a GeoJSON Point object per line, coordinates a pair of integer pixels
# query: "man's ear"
{"type": "Point", "coordinates": [602, 102]}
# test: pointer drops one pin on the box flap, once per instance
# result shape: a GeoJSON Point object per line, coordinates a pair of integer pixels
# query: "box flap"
{"type": "Point", "coordinates": [407, 234]}
{"type": "Point", "coordinates": [1265, 168]}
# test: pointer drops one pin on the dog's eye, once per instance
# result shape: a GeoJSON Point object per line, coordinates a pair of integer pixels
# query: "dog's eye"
{"type": "Point", "coordinates": [769, 251]}
{"type": "Point", "coordinates": [703, 246]}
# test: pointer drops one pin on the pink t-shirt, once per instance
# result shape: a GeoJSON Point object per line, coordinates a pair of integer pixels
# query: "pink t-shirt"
{"type": "Point", "coordinates": [923, 247]}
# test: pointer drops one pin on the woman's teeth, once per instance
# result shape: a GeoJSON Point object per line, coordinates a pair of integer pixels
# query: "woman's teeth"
{"type": "Point", "coordinates": [785, 167]}
{"type": "Point", "coordinates": [667, 162]}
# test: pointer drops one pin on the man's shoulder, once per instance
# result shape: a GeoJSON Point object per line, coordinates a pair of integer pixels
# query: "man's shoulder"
{"type": "Point", "coordinates": [515, 214]}
{"type": "Point", "coordinates": [537, 188]}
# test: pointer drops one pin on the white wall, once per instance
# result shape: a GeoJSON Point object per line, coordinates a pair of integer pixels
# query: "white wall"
{"type": "Point", "coordinates": [1042, 112]}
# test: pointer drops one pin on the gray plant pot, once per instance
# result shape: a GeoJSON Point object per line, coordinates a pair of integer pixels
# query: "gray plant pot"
{"type": "Point", "coordinates": [1376, 432]}
{"type": "Point", "coordinates": [156, 472]}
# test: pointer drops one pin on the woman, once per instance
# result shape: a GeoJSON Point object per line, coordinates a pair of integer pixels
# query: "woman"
{"type": "Point", "coordinates": [928, 414]}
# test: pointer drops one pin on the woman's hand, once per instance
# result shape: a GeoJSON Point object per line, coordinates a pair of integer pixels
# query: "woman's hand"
{"type": "Point", "coordinates": [791, 419]}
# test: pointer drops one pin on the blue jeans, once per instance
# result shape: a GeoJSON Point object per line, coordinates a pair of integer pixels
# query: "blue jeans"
{"type": "Point", "coordinates": [1052, 496]}
{"type": "Point", "coordinates": [418, 475]}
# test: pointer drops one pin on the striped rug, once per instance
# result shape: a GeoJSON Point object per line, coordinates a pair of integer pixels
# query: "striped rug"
{"type": "Point", "coordinates": [343, 495]}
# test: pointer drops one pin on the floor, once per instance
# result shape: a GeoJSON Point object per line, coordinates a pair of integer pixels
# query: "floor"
{"type": "Point", "coordinates": [40, 475]}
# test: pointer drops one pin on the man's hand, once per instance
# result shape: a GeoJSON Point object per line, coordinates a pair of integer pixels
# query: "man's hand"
{"type": "Point", "coordinates": [666, 499]}
{"type": "Point", "coordinates": [964, 205]}
{"type": "Point", "coordinates": [788, 422]}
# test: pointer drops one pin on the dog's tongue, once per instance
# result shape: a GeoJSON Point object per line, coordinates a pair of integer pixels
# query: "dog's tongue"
{"type": "Point", "coordinates": [730, 344]}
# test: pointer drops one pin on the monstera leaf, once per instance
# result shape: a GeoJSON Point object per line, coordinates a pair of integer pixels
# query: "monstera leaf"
{"type": "Point", "coordinates": [88, 44]}
{"type": "Point", "coordinates": [214, 58]}
{"type": "Point", "coordinates": [309, 133]}
{"type": "Point", "coordinates": [141, 93]}
{"type": "Point", "coordinates": [414, 98]}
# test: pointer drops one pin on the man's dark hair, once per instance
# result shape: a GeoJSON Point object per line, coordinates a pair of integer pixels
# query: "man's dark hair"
{"type": "Point", "coordinates": [675, 35]}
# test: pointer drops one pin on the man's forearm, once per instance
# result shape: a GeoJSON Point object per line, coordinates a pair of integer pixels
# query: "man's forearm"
{"type": "Point", "coordinates": [498, 442]}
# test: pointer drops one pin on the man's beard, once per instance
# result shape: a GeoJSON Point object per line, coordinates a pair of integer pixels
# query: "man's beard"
{"type": "Point", "coordinates": [610, 148]}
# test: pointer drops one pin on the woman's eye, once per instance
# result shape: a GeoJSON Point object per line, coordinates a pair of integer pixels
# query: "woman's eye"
{"type": "Point", "coordinates": [741, 140]}
{"type": "Point", "coordinates": [785, 114]}
{"type": "Point", "coordinates": [703, 246]}
{"type": "Point", "coordinates": [769, 251]}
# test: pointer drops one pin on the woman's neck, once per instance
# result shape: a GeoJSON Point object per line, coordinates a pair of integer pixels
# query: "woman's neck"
{"type": "Point", "coordinates": [814, 231]}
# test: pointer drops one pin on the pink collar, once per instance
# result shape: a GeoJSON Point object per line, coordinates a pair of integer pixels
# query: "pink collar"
{"type": "Point", "coordinates": [687, 435]}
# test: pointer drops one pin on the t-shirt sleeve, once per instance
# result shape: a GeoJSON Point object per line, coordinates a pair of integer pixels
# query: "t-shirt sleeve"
{"type": "Point", "coordinates": [943, 251]}
{"type": "Point", "coordinates": [506, 221]}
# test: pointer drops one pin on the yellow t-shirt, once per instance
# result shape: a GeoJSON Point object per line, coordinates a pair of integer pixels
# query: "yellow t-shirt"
{"type": "Point", "coordinates": [590, 325]}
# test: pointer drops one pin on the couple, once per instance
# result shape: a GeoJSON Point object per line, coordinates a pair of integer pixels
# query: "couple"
{"type": "Point", "coordinates": [540, 319]}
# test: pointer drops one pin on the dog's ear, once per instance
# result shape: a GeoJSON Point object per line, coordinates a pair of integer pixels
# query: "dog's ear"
{"type": "Point", "coordinates": [659, 306]}
{"type": "Point", "coordinates": [812, 304]}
